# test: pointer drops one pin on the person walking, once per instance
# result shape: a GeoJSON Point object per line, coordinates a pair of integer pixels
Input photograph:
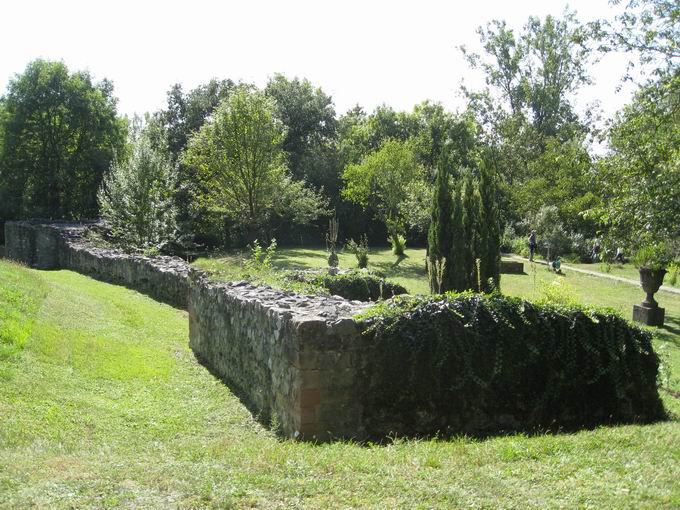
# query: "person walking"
{"type": "Point", "coordinates": [532, 245]}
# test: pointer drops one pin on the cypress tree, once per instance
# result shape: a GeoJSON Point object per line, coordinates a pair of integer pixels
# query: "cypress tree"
{"type": "Point", "coordinates": [489, 230]}
{"type": "Point", "coordinates": [439, 237]}
{"type": "Point", "coordinates": [470, 230]}
{"type": "Point", "coordinates": [458, 243]}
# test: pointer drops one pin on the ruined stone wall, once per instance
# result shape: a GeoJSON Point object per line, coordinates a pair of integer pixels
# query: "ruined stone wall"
{"type": "Point", "coordinates": [295, 359]}
{"type": "Point", "coordinates": [63, 245]}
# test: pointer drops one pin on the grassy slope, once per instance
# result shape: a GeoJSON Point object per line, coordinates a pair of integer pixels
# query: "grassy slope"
{"type": "Point", "coordinates": [103, 405]}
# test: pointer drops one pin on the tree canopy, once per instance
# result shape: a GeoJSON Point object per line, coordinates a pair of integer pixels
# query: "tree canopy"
{"type": "Point", "coordinates": [238, 157]}
{"type": "Point", "coordinates": [60, 132]}
{"type": "Point", "coordinates": [382, 180]}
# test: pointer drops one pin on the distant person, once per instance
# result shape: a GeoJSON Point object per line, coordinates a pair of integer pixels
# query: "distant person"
{"type": "Point", "coordinates": [556, 265]}
{"type": "Point", "coordinates": [532, 245]}
{"type": "Point", "coordinates": [595, 255]}
{"type": "Point", "coordinates": [619, 256]}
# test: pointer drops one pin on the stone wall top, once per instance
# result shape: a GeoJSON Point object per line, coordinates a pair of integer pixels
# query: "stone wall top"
{"type": "Point", "coordinates": [309, 307]}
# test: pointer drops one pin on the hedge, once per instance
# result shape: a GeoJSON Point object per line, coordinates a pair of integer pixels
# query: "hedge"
{"type": "Point", "coordinates": [355, 285]}
{"type": "Point", "coordinates": [481, 364]}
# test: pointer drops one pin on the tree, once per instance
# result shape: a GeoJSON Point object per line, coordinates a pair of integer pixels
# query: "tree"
{"type": "Point", "coordinates": [237, 155]}
{"type": "Point", "coordinates": [648, 28]}
{"type": "Point", "coordinates": [441, 266]}
{"type": "Point", "coordinates": [137, 196]}
{"type": "Point", "coordinates": [489, 230]}
{"type": "Point", "coordinates": [640, 177]}
{"type": "Point", "coordinates": [526, 109]}
{"type": "Point", "coordinates": [381, 182]}
{"type": "Point", "coordinates": [535, 72]}
{"type": "Point", "coordinates": [60, 132]}
{"type": "Point", "coordinates": [562, 176]}
{"type": "Point", "coordinates": [309, 117]}
{"type": "Point", "coordinates": [187, 111]}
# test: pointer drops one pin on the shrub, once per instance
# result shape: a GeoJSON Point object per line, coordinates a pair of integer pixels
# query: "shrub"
{"type": "Point", "coordinates": [260, 261]}
{"type": "Point", "coordinates": [653, 256]}
{"type": "Point", "coordinates": [137, 196]}
{"type": "Point", "coordinates": [398, 244]}
{"type": "Point", "coordinates": [478, 364]}
{"type": "Point", "coordinates": [673, 269]}
{"type": "Point", "coordinates": [360, 250]}
{"type": "Point", "coordinates": [355, 285]}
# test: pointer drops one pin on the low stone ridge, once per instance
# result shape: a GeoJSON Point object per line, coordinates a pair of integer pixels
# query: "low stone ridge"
{"type": "Point", "coordinates": [301, 362]}
{"type": "Point", "coordinates": [63, 245]}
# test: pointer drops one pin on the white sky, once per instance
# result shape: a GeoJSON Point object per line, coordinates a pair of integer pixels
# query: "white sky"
{"type": "Point", "coordinates": [360, 51]}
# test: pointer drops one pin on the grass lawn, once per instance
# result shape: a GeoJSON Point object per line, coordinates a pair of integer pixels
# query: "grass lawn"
{"type": "Point", "coordinates": [102, 404]}
{"type": "Point", "coordinates": [627, 270]}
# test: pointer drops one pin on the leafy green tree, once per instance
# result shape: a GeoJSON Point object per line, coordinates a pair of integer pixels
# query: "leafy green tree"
{"type": "Point", "coordinates": [640, 177]}
{"type": "Point", "coordinates": [647, 28]}
{"type": "Point", "coordinates": [309, 117]}
{"type": "Point", "coordinates": [526, 111]}
{"type": "Point", "coordinates": [237, 155]}
{"type": "Point", "coordinates": [536, 71]}
{"type": "Point", "coordinates": [489, 229]}
{"type": "Point", "coordinates": [137, 196]}
{"type": "Point", "coordinates": [186, 112]}
{"type": "Point", "coordinates": [60, 132]}
{"type": "Point", "coordinates": [471, 220]}
{"type": "Point", "coordinates": [381, 182]}
{"type": "Point", "coordinates": [561, 176]}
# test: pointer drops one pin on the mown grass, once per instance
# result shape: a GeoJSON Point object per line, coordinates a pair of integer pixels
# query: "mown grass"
{"type": "Point", "coordinates": [104, 406]}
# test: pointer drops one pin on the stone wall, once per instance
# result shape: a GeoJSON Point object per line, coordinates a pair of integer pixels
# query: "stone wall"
{"type": "Point", "coordinates": [295, 359]}
{"type": "Point", "coordinates": [64, 245]}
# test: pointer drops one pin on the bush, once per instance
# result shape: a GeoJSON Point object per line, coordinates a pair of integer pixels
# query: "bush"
{"type": "Point", "coordinates": [360, 250]}
{"type": "Point", "coordinates": [137, 196]}
{"type": "Point", "coordinates": [654, 256]}
{"type": "Point", "coordinates": [355, 285]}
{"type": "Point", "coordinates": [398, 244]}
{"type": "Point", "coordinates": [474, 364]}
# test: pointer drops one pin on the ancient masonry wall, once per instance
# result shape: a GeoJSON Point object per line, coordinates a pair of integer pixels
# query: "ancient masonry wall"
{"type": "Point", "coordinates": [296, 361]}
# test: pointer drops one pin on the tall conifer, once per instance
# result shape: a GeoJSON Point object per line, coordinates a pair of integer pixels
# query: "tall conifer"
{"type": "Point", "coordinates": [439, 238]}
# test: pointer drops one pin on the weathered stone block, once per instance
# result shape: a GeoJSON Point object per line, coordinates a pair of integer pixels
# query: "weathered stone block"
{"type": "Point", "coordinates": [512, 267]}
{"type": "Point", "coordinates": [649, 316]}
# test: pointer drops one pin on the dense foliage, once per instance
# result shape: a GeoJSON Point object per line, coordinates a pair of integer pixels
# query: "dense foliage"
{"type": "Point", "coordinates": [59, 133]}
{"type": "Point", "coordinates": [258, 163]}
{"type": "Point", "coordinates": [137, 196]}
{"type": "Point", "coordinates": [464, 237]}
{"type": "Point", "coordinates": [382, 181]}
{"type": "Point", "coordinates": [496, 363]}
{"type": "Point", "coordinates": [238, 158]}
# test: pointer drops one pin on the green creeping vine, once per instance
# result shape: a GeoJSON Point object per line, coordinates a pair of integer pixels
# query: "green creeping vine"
{"type": "Point", "coordinates": [355, 285]}
{"type": "Point", "coordinates": [471, 363]}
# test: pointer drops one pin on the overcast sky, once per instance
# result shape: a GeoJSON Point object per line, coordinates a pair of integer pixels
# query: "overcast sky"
{"type": "Point", "coordinates": [368, 52]}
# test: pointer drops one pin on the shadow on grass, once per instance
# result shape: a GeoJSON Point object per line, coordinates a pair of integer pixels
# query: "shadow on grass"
{"type": "Point", "coordinates": [670, 331]}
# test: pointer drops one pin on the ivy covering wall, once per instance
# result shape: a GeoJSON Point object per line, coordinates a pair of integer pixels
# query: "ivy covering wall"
{"type": "Point", "coordinates": [469, 363]}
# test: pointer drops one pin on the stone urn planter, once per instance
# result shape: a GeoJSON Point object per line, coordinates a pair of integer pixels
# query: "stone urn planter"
{"type": "Point", "coordinates": [649, 312]}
